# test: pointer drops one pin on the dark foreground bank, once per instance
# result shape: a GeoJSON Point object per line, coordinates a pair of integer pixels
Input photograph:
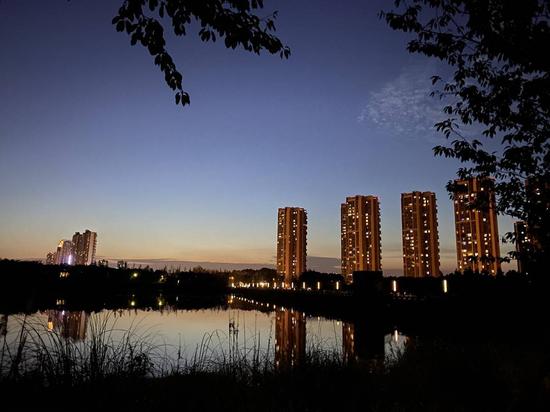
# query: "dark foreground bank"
{"type": "Point", "coordinates": [429, 376]}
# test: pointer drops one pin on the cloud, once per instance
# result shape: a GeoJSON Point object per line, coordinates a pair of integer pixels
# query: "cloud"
{"type": "Point", "coordinates": [404, 105]}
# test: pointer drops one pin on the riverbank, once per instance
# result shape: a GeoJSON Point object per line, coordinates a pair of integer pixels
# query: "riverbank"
{"type": "Point", "coordinates": [429, 376]}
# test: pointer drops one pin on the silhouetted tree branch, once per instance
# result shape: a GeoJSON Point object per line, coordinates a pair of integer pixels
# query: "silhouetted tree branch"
{"type": "Point", "coordinates": [234, 21]}
{"type": "Point", "coordinates": [501, 81]}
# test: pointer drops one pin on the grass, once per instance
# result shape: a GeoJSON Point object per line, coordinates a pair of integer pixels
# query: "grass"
{"type": "Point", "coordinates": [126, 369]}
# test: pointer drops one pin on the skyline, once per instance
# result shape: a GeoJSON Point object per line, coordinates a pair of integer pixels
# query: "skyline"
{"type": "Point", "coordinates": [360, 237]}
{"type": "Point", "coordinates": [201, 183]}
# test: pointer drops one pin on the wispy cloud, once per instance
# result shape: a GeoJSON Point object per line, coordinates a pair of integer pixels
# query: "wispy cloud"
{"type": "Point", "coordinates": [404, 105]}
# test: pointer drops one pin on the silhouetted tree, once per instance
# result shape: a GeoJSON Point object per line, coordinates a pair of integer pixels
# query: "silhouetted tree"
{"type": "Point", "coordinates": [498, 50]}
{"type": "Point", "coordinates": [234, 21]}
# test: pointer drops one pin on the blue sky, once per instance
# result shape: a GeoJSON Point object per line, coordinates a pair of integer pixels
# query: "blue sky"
{"type": "Point", "coordinates": [90, 136]}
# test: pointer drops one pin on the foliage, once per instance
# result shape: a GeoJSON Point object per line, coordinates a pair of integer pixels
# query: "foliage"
{"type": "Point", "coordinates": [234, 21]}
{"type": "Point", "coordinates": [501, 82]}
{"type": "Point", "coordinates": [311, 277]}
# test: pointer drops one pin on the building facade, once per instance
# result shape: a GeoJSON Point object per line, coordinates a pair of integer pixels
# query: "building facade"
{"type": "Point", "coordinates": [476, 227]}
{"type": "Point", "coordinates": [523, 245]}
{"type": "Point", "coordinates": [64, 254]}
{"type": "Point", "coordinates": [360, 235]}
{"type": "Point", "coordinates": [420, 234]}
{"type": "Point", "coordinates": [291, 242]}
{"type": "Point", "coordinates": [84, 247]}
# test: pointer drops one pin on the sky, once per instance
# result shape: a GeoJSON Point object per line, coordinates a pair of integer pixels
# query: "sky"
{"type": "Point", "coordinates": [90, 137]}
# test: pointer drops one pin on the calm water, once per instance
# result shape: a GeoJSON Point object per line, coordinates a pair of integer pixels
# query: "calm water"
{"type": "Point", "coordinates": [247, 328]}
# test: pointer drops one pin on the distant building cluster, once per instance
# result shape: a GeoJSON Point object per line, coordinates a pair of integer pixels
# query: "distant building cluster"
{"type": "Point", "coordinates": [476, 230]}
{"type": "Point", "coordinates": [80, 250]}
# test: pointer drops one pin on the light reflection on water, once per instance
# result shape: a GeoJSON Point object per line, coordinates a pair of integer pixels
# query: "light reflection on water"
{"type": "Point", "coordinates": [279, 335]}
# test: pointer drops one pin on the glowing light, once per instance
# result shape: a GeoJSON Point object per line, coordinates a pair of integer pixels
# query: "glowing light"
{"type": "Point", "coordinates": [396, 336]}
{"type": "Point", "coordinates": [132, 303]}
{"type": "Point", "coordinates": [303, 285]}
{"type": "Point", "coordinates": [337, 285]}
{"type": "Point", "coordinates": [394, 286]}
{"type": "Point", "coordinates": [135, 275]}
{"type": "Point", "coordinates": [318, 285]}
{"type": "Point", "coordinates": [50, 325]}
{"type": "Point", "coordinates": [445, 287]}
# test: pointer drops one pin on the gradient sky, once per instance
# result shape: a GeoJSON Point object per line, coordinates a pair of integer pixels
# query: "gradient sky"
{"type": "Point", "coordinates": [90, 137]}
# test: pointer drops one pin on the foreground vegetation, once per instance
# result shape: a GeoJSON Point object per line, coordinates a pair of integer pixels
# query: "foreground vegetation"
{"type": "Point", "coordinates": [45, 370]}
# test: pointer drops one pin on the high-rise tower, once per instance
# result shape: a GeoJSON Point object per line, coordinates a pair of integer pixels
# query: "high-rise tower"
{"type": "Point", "coordinates": [524, 245]}
{"type": "Point", "coordinates": [360, 235]}
{"type": "Point", "coordinates": [291, 242]}
{"type": "Point", "coordinates": [64, 254]}
{"type": "Point", "coordinates": [476, 227]}
{"type": "Point", "coordinates": [420, 235]}
{"type": "Point", "coordinates": [84, 245]}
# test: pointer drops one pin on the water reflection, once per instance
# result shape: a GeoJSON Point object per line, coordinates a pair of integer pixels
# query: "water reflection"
{"type": "Point", "coordinates": [69, 324]}
{"type": "Point", "coordinates": [348, 342]}
{"type": "Point", "coordinates": [290, 338]}
{"type": "Point", "coordinates": [362, 341]}
{"type": "Point", "coordinates": [244, 327]}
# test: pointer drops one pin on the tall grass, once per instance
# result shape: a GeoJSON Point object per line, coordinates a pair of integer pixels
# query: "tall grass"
{"type": "Point", "coordinates": [48, 355]}
{"type": "Point", "coordinates": [223, 373]}
{"type": "Point", "coordinates": [53, 358]}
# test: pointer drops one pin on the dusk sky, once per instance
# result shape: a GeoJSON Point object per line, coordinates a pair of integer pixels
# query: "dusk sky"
{"type": "Point", "coordinates": [90, 137]}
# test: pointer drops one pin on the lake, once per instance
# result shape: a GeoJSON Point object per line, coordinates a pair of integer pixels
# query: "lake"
{"type": "Point", "coordinates": [240, 329]}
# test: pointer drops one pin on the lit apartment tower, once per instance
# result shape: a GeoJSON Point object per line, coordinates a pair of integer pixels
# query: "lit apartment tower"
{"type": "Point", "coordinates": [476, 227]}
{"type": "Point", "coordinates": [84, 245]}
{"type": "Point", "coordinates": [64, 254]}
{"type": "Point", "coordinates": [291, 242]}
{"type": "Point", "coordinates": [360, 235]}
{"type": "Point", "coordinates": [420, 235]}
{"type": "Point", "coordinates": [537, 189]}
{"type": "Point", "coordinates": [523, 244]}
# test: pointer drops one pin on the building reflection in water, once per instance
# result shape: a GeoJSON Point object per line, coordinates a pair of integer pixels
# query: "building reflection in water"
{"type": "Point", "coordinates": [290, 338]}
{"type": "Point", "coordinates": [69, 324]}
{"type": "Point", "coordinates": [348, 342]}
{"type": "Point", "coordinates": [362, 341]}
